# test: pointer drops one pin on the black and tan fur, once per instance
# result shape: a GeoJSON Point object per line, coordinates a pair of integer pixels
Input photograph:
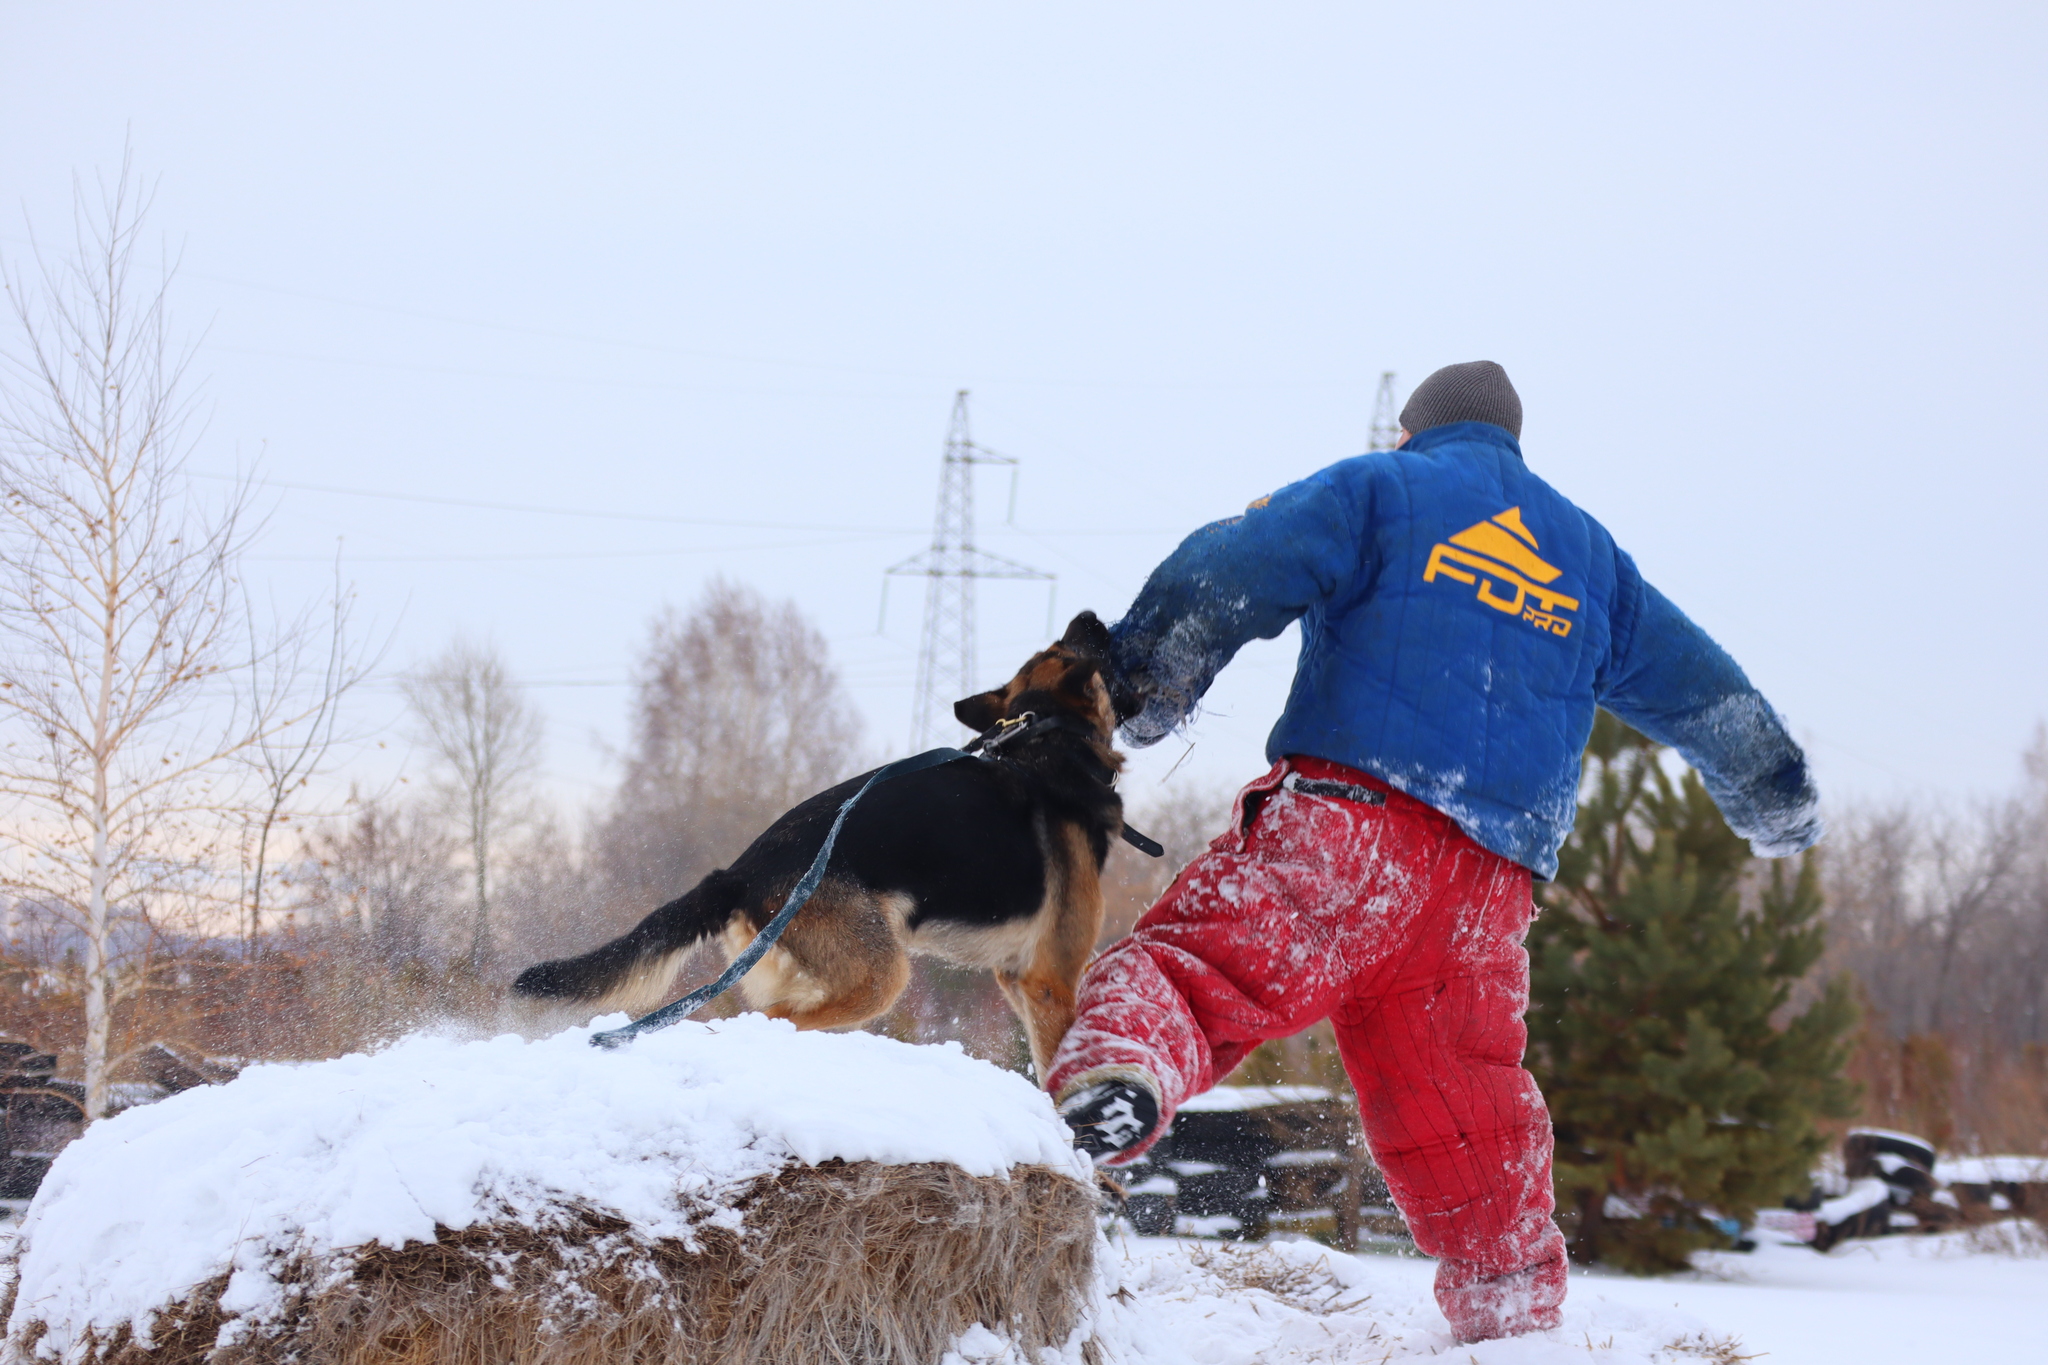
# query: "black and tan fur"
{"type": "Point", "coordinates": [990, 863]}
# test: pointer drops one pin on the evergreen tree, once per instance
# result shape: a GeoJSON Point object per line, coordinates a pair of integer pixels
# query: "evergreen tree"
{"type": "Point", "coordinates": [1683, 1090]}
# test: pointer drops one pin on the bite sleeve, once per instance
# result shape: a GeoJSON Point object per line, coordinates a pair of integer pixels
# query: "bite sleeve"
{"type": "Point", "coordinates": [1230, 582]}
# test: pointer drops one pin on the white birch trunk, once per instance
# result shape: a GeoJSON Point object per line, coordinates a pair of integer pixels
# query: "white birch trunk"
{"type": "Point", "coordinates": [98, 1003]}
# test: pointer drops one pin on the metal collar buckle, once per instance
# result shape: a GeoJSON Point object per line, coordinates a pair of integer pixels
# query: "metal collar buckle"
{"type": "Point", "coordinates": [1001, 733]}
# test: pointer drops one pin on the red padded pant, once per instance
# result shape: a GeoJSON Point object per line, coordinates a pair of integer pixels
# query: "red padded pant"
{"type": "Point", "coordinates": [1407, 935]}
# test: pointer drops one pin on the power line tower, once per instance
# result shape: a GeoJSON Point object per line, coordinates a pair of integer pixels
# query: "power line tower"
{"type": "Point", "coordinates": [1386, 416]}
{"type": "Point", "coordinates": [945, 656]}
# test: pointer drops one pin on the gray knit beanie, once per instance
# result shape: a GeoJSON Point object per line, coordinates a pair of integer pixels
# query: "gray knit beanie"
{"type": "Point", "coordinates": [1476, 391]}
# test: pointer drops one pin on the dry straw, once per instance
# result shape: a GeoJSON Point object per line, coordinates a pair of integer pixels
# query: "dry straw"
{"type": "Point", "coordinates": [840, 1264]}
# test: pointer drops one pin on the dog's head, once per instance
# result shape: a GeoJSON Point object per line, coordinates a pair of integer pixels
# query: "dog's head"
{"type": "Point", "coordinates": [1065, 676]}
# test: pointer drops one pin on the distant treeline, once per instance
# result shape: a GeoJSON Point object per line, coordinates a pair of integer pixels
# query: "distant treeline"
{"type": "Point", "coordinates": [378, 922]}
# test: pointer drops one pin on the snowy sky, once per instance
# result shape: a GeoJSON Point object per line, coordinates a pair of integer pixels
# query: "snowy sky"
{"type": "Point", "coordinates": [1769, 277]}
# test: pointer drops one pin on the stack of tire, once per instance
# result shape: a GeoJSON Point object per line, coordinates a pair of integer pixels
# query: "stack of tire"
{"type": "Point", "coordinates": [39, 1115]}
{"type": "Point", "coordinates": [1240, 1160]}
{"type": "Point", "coordinates": [1888, 1185]}
{"type": "Point", "coordinates": [1991, 1188]}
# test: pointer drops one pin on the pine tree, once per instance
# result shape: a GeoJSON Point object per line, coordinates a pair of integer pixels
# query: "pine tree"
{"type": "Point", "coordinates": [1683, 1088]}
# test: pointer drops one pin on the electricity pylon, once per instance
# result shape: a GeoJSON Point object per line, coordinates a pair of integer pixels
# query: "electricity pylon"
{"type": "Point", "coordinates": [1386, 416]}
{"type": "Point", "coordinates": [945, 656]}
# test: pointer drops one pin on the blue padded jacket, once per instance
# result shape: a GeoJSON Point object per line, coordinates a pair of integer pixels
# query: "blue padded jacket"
{"type": "Point", "coordinates": [1460, 621]}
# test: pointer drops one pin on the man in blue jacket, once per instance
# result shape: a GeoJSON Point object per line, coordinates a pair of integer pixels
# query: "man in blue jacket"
{"type": "Point", "coordinates": [1460, 622]}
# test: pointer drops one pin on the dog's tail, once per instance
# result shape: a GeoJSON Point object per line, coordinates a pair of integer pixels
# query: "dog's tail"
{"type": "Point", "coordinates": [633, 972]}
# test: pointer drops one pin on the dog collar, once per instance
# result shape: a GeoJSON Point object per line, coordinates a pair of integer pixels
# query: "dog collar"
{"type": "Point", "coordinates": [990, 743]}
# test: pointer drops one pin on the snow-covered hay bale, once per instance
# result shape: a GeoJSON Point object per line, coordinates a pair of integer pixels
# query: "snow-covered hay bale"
{"type": "Point", "coordinates": [729, 1192]}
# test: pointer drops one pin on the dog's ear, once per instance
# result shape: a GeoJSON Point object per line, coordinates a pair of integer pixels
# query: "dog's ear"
{"type": "Point", "coordinates": [1074, 681]}
{"type": "Point", "coordinates": [1087, 636]}
{"type": "Point", "coordinates": [982, 710]}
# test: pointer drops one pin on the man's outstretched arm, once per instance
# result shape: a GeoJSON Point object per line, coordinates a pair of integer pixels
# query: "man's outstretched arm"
{"type": "Point", "coordinates": [1672, 682]}
{"type": "Point", "coordinates": [1232, 581]}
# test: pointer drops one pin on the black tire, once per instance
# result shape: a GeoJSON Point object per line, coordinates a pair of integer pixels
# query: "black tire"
{"type": "Point", "coordinates": [1150, 1215]}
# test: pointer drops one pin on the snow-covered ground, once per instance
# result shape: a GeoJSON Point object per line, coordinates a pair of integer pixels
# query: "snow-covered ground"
{"type": "Point", "coordinates": [1956, 1299]}
{"type": "Point", "coordinates": [323, 1157]}
{"type": "Point", "coordinates": [1979, 1299]}
{"type": "Point", "coordinates": [1179, 1303]}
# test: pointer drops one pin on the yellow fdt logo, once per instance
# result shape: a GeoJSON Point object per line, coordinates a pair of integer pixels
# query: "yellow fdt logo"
{"type": "Point", "coordinates": [1511, 577]}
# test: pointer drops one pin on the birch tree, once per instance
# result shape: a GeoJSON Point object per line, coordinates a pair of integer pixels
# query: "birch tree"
{"type": "Point", "coordinates": [124, 631]}
{"type": "Point", "coordinates": [486, 741]}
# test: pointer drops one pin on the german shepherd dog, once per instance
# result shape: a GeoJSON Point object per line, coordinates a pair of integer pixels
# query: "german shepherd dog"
{"type": "Point", "coordinates": [993, 862]}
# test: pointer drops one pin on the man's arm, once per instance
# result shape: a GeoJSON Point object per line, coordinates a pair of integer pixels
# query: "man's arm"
{"type": "Point", "coordinates": [1671, 681]}
{"type": "Point", "coordinates": [1232, 581]}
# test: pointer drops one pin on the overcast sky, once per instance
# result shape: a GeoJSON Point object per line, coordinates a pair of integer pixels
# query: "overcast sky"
{"type": "Point", "coordinates": [1769, 277]}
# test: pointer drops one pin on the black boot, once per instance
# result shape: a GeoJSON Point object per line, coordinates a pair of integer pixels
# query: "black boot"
{"type": "Point", "coordinates": [1110, 1117]}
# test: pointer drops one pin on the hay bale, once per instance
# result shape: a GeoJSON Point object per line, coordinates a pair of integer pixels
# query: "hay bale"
{"type": "Point", "coordinates": [838, 1262]}
{"type": "Point", "coordinates": [755, 1240]}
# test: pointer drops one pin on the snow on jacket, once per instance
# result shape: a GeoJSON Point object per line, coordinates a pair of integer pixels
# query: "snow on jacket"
{"type": "Point", "coordinates": [1460, 621]}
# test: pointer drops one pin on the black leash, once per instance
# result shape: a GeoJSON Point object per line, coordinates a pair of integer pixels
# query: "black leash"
{"type": "Point", "coordinates": [989, 744]}
{"type": "Point", "coordinates": [799, 894]}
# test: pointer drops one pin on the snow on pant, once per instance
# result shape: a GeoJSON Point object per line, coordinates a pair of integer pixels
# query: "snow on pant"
{"type": "Point", "coordinates": [1407, 935]}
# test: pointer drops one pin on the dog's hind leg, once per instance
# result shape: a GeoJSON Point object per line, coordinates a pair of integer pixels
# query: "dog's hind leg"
{"type": "Point", "coordinates": [842, 962]}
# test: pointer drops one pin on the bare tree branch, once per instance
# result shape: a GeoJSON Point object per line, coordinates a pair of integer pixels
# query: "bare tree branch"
{"type": "Point", "coordinates": [125, 635]}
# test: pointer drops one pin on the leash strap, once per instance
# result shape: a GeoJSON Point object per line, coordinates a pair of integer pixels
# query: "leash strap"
{"type": "Point", "coordinates": [1146, 845]}
{"type": "Point", "coordinates": [799, 894]}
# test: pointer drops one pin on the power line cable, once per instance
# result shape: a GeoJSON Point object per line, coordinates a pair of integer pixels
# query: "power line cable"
{"type": "Point", "coordinates": [605, 514]}
{"type": "Point", "coordinates": [539, 510]}
{"type": "Point", "coordinates": [852, 539]}
{"type": "Point", "coordinates": [705, 353]}
{"type": "Point", "coordinates": [528, 377]}
{"type": "Point", "coordinates": [525, 329]}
